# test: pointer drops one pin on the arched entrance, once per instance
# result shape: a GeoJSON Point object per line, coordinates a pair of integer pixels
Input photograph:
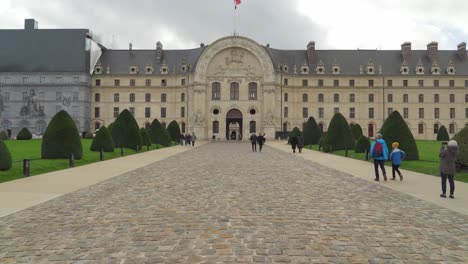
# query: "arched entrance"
{"type": "Point", "coordinates": [234, 124]}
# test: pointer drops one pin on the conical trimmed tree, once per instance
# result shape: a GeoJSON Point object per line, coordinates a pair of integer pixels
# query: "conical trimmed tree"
{"type": "Point", "coordinates": [145, 137]}
{"type": "Point", "coordinates": [339, 135]}
{"type": "Point", "coordinates": [61, 138]}
{"type": "Point", "coordinates": [312, 132]}
{"type": "Point", "coordinates": [174, 131]}
{"type": "Point", "coordinates": [462, 139]}
{"type": "Point", "coordinates": [158, 134]}
{"type": "Point", "coordinates": [362, 144]}
{"type": "Point", "coordinates": [103, 140]}
{"type": "Point", "coordinates": [5, 157]}
{"type": "Point", "coordinates": [3, 135]}
{"type": "Point", "coordinates": [395, 129]}
{"type": "Point", "coordinates": [24, 134]}
{"type": "Point", "coordinates": [126, 132]}
{"type": "Point", "coordinates": [442, 134]}
{"type": "Point", "coordinates": [356, 130]}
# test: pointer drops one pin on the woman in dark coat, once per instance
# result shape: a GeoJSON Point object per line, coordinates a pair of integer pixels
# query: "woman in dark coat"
{"type": "Point", "coordinates": [300, 142]}
{"type": "Point", "coordinates": [294, 143]}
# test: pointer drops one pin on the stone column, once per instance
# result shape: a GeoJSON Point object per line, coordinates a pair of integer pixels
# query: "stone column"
{"type": "Point", "coordinates": [269, 118]}
{"type": "Point", "coordinates": [198, 111]}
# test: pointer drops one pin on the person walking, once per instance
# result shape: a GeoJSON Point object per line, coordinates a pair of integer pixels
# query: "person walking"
{"type": "Point", "coordinates": [253, 140]}
{"type": "Point", "coordinates": [193, 139]}
{"type": "Point", "coordinates": [379, 152]}
{"type": "Point", "coordinates": [300, 142]}
{"type": "Point", "coordinates": [189, 140]}
{"type": "Point", "coordinates": [448, 155]}
{"type": "Point", "coordinates": [294, 143]}
{"type": "Point", "coordinates": [182, 139]}
{"type": "Point", "coordinates": [261, 141]}
{"type": "Point", "coordinates": [396, 156]}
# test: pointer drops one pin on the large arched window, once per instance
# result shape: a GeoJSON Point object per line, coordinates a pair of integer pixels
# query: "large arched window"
{"type": "Point", "coordinates": [215, 91]}
{"type": "Point", "coordinates": [116, 97]}
{"type": "Point", "coordinates": [252, 127]}
{"type": "Point", "coordinates": [215, 127]}
{"type": "Point", "coordinates": [234, 91]}
{"type": "Point", "coordinates": [252, 91]}
{"type": "Point", "coordinates": [163, 98]}
{"type": "Point", "coordinates": [132, 97]}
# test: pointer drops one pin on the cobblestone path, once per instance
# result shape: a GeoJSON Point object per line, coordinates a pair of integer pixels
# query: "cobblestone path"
{"type": "Point", "coordinates": [221, 203]}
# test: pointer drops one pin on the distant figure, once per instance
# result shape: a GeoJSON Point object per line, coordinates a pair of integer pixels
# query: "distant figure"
{"type": "Point", "coordinates": [240, 136]}
{"type": "Point", "coordinates": [396, 156]}
{"type": "Point", "coordinates": [213, 138]}
{"type": "Point", "coordinates": [379, 152]}
{"type": "Point", "coordinates": [300, 142]}
{"type": "Point", "coordinates": [261, 141]}
{"type": "Point", "coordinates": [253, 140]}
{"type": "Point", "coordinates": [294, 143]}
{"type": "Point", "coordinates": [182, 139]}
{"type": "Point", "coordinates": [193, 139]}
{"type": "Point", "coordinates": [189, 139]}
{"type": "Point", "coordinates": [448, 155]}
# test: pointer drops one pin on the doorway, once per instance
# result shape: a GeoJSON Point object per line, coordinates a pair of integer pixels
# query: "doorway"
{"type": "Point", "coordinates": [234, 125]}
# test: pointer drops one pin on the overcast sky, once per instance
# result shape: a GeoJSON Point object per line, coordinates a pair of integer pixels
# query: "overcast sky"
{"type": "Point", "coordinates": [284, 24]}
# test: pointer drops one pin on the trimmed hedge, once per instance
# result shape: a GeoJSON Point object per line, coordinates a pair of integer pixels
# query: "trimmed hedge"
{"type": "Point", "coordinates": [174, 131]}
{"type": "Point", "coordinates": [126, 132]}
{"type": "Point", "coordinates": [362, 144]}
{"type": "Point", "coordinates": [356, 131]}
{"type": "Point", "coordinates": [312, 132]}
{"type": "Point", "coordinates": [24, 134]}
{"type": "Point", "coordinates": [462, 139]}
{"type": "Point", "coordinates": [103, 140]}
{"type": "Point", "coordinates": [3, 135]}
{"type": "Point", "coordinates": [442, 134]}
{"type": "Point", "coordinates": [61, 138]}
{"type": "Point", "coordinates": [395, 129]}
{"type": "Point", "coordinates": [89, 135]}
{"type": "Point", "coordinates": [158, 134]}
{"type": "Point", "coordinates": [5, 157]}
{"type": "Point", "coordinates": [145, 137]}
{"type": "Point", "coordinates": [338, 135]}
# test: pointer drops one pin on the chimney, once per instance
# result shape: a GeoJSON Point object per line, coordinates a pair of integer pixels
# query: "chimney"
{"type": "Point", "coordinates": [130, 46]}
{"type": "Point", "coordinates": [202, 45]}
{"type": "Point", "coordinates": [311, 52]}
{"type": "Point", "coordinates": [461, 50]}
{"type": "Point", "coordinates": [432, 51]}
{"type": "Point", "coordinates": [406, 50]}
{"type": "Point", "coordinates": [30, 24]}
{"type": "Point", "coordinates": [159, 48]}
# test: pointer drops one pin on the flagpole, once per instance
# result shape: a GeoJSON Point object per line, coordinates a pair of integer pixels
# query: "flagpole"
{"type": "Point", "coordinates": [235, 12]}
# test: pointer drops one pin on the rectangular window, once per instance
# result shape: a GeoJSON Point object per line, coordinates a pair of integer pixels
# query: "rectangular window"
{"type": "Point", "coordinates": [163, 82]}
{"type": "Point", "coordinates": [421, 98]}
{"type": "Point", "coordinates": [75, 96]}
{"type": "Point", "coordinates": [285, 111]}
{"type": "Point", "coordinates": [390, 98]}
{"type": "Point", "coordinates": [305, 83]}
{"type": "Point", "coordinates": [305, 112]}
{"type": "Point", "coordinates": [352, 98]}
{"type": "Point", "coordinates": [436, 98]}
{"type": "Point", "coordinates": [336, 98]}
{"type": "Point", "coordinates": [371, 112]}
{"type": "Point", "coordinates": [421, 83]}
{"type": "Point", "coordinates": [182, 97]}
{"type": "Point", "coordinates": [389, 111]}
{"type": "Point", "coordinates": [371, 98]}
{"type": "Point", "coordinates": [147, 112]}
{"type": "Point", "coordinates": [132, 110]}
{"type": "Point", "coordinates": [466, 83]}
{"type": "Point", "coordinates": [182, 111]}
{"type": "Point", "coordinates": [116, 82]}
{"type": "Point", "coordinates": [436, 83]}
{"type": "Point", "coordinates": [452, 83]}
{"type": "Point", "coordinates": [336, 83]}
{"type": "Point", "coordinates": [320, 83]}
{"type": "Point", "coordinates": [405, 112]}
{"type": "Point", "coordinates": [285, 97]}
{"type": "Point", "coordinates": [148, 82]}
{"type": "Point", "coordinates": [116, 112]}
{"type": "Point", "coordinates": [405, 83]}
{"type": "Point", "coordinates": [336, 110]}
{"type": "Point", "coordinates": [132, 82]}
{"type": "Point", "coordinates": [371, 83]}
{"type": "Point", "coordinates": [97, 97]}
{"type": "Point", "coordinates": [215, 127]}
{"type": "Point", "coordinates": [163, 112]}
{"type": "Point", "coordinates": [389, 83]}
{"type": "Point", "coordinates": [351, 83]}
{"type": "Point", "coordinates": [321, 112]}
{"type": "Point", "coordinates": [436, 113]}
{"type": "Point", "coordinates": [98, 82]}
{"type": "Point", "coordinates": [305, 98]}
{"type": "Point", "coordinates": [97, 112]}
{"type": "Point", "coordinates": [320, 98]}
{"type": "Point", "coordinates": [452, 98]}
{"type": "Point", "coordinates": [421, 112]}
{"type": "Point", "coordinates": [58, 96]}
{"type": "Point", "coordinates": [147, 97]}
{"type": "Point", "coordinates": [352, 112]}
{"type": "Point", "coordinates": [452, 112]}
{"type": "Point", "coordinates": [182, 81]}
{"type": "Point", "coordinates": [285, 81]}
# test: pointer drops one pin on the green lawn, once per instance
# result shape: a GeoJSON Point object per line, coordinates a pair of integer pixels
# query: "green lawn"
{"type": "Point", "coordinates": [31, 149]}
{"type": "Point", "coordinates": [428, 163]}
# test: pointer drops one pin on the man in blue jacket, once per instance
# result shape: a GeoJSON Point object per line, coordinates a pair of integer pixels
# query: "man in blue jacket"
{"type": "Point", "coordinates": [379, 152]}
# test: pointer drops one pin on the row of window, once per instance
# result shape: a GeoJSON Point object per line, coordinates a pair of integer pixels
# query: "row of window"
{"type": "Point", "coordinates": [371, 97]}
{"type": "Point", "coordinates": [234, 91]}
{"type": "Point", "coordinates": [28, 95]}
{"type": "Point", "coordinates": [370, 83]}
{"type": "Point", "coordinates": [132, 82]}
{"type": "Point", "coordinates": [97, 97]}
{"type": "Point", "coordinates": [352, 112]}
{"type": "Point", "coordinates": [97, 112]}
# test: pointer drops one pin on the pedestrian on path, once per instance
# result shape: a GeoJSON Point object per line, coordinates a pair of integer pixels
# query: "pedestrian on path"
{"type": "Point", "coordinates": [253, 140]}
{"type": "Point", "coordinates": [261, 141]}
{"type": "Point", "coordinates": [396, 156]}
{"type": "Point", "coordinates": [193, 139]}
{"type": "Point", "coordinates": [182, 139]}
{"type": "Point", "coordinates": [294, 143]}
{"type": "Point", "coordinates": [448, 155]}
{"type": "Point", "coordinates": [300, 142]}
{"type": "Point", "coordinates": [379, 152]}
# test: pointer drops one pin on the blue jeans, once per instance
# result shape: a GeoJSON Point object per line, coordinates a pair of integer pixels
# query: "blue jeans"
{"type": "Point", "coordinates": [444, 183]}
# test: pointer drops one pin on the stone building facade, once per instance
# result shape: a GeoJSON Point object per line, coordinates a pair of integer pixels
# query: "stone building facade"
{"type": "Point", "coordinates": [236, 86]}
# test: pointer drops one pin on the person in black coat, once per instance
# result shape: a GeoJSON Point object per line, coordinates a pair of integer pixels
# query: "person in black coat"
{"type": "Point", "coordinates": [261, 141]}
{"type": "Point", "coordinates": [294, 143]}
{"type": "Point", "coordinates": [253, 140]}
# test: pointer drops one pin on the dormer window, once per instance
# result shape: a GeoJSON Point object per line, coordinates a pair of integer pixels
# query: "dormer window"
{"type": "Point", "coordinates": [404, 70]}
{"type": "Point", "coordinates": [419, 68]}
{"type": "Point", "coordinates": [164, 69]}
{"type": "Point", "coordinates": [336, 69]}
{"type": "Point", "coordinates": [370, 67]}
{"type": "Point", "coordinates": [98, 70]}
{"type": "Point", "coordinates": [451, 68]}
{"type": "Point", "coordinates": [284, 68]}
{"type": "Point", "coordinates": [320, 68]}
{"type": "Point", "coordinates": [149, 69]}
{"type": "Point", "coordinates": [133, 69]}
{"type": "Point", "coordinates": [305, 69]}
{"type": "Point", "coordinates": [435, 69]}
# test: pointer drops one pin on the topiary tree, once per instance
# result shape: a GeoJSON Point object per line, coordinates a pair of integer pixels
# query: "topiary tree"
{"type": "Point", "coordinates": [103, 140]}
{"type": "Point", "coordinates": [5, 157]}
{"type": "Point", "coordinates": [395, 129]}
{"type": "Point", "coordinates": [145, 137]}
{"type": "Point", "coordinates": [126, 132]}
{"type": "Point", "coordinates": [462, 139]}
{"type": "Point", "coordinates": [312, 132]}
{"type": "Point", "coordinates": [3, 135]}
{"type": "Point", "coordinates": [339, 135]}
{"type": "Point", "coordinates": [294, 132]}
{"type": "Point", "coordinates": [174, 131]}
{"type": "Point", "coordinates": [89, 135]}
{"type": "Point", "coordinates": [158, 134]}
{"type": "Point", "coordinates": [356, 131]}
{"type": "Point", "coordinates": [442, 134]}
{"type": "Point", "coordinates": [61, 138]}
{"type": "Point", "coordinates": [24, 134]}
{"type": "Point", "coordinates": [362, 144]}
